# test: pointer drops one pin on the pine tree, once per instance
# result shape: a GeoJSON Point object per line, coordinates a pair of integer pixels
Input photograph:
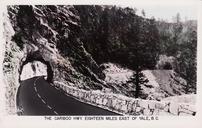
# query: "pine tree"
{"type": "Point", "coordinates": [138, 79]}
{"type": "Point", "coordinates": [143, 51]}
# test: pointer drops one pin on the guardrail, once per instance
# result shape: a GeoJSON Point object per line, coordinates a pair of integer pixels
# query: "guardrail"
{"type": "Point", "coordinates": [126, 105]}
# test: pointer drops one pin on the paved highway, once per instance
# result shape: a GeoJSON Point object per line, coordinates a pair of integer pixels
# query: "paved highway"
{"type": "Point", "coordinates": [37, 97]}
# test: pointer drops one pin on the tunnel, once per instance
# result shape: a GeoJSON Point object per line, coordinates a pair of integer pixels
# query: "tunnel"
{"type": "Point", "coordinates": [32, 58]}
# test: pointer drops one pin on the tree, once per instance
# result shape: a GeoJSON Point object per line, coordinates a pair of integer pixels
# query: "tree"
{"type": "Point", "coordinates": [187, 62]}
{"type": "Point", "coordinates": [140, 80]}
{"type": "Point", "coordinates": [179, 39]}
{"type": "Point", "coordinates": [144, 51]}
{"type": "Point", "coordinates": [176, 31]}
{"type": "Point", "coordinates": [143, 13]}
{"type": "Point", "coordinates": [170, 35]}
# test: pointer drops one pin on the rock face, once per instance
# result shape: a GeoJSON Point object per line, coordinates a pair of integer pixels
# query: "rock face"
{"type": "Point", "coordinates": [11, 65]}
{"type": "Point", "coordinates": [46, 34]}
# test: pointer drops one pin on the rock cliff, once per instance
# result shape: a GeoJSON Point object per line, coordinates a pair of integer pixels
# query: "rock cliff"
{"type": "Point", "coordinates": [47, 34]}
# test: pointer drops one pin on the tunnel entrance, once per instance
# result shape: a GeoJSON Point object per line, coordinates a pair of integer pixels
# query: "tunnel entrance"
{"type": "Point", "coordinates": [32, 69]}
{"type": "Point", "coordinates": [33, 66]}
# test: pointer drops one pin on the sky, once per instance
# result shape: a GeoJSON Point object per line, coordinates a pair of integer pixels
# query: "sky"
{"type": "Point", "coordinates": [167, 12]}
{"type": "Point", "coordinates": [165, 9]}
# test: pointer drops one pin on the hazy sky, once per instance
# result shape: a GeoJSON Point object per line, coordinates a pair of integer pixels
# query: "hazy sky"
{"type": "Point", "coordinates": [167, 12]}
{"type": "Point", "coordinates": [167, 9]}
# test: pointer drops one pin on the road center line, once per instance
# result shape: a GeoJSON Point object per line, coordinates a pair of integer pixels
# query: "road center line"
{"type": "Point", "coordinates": [42, 98]}
{"type": "Point", "coordinates": [38, 95]}
{"type": "Point", "coordinates": [35, 89]}
{"type": "Point", "coordinates": [43, 101]}
{"type": "Point", "coordinates": [55, 112]}
{"type": "Point", "coordinates": [49, 107]}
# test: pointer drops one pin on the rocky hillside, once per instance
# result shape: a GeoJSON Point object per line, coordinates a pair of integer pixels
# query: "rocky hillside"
{"type": "Point", "coordinates": [47, 34]}
{"type": "Point", "coordinates": [73, 44]}
{"type": "Point", "coordinates": [161, 83]}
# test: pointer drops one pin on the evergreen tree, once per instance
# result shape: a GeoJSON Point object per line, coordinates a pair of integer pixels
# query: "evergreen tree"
{"type": "Point", "coordinates": [187, 62]}
{"type": "Point", "coordinates": [144, 50]}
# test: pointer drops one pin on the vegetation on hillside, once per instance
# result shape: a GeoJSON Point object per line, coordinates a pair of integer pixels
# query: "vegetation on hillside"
{"type": "Point", "coordinates": [115, 34]}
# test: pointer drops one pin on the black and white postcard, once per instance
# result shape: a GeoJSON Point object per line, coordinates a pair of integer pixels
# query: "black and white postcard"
{"type": "Point", "coordinates": [100, 64]}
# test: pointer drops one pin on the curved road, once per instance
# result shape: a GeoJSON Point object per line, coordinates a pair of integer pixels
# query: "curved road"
{"type": "Point", "coordinates": [37, 97]}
